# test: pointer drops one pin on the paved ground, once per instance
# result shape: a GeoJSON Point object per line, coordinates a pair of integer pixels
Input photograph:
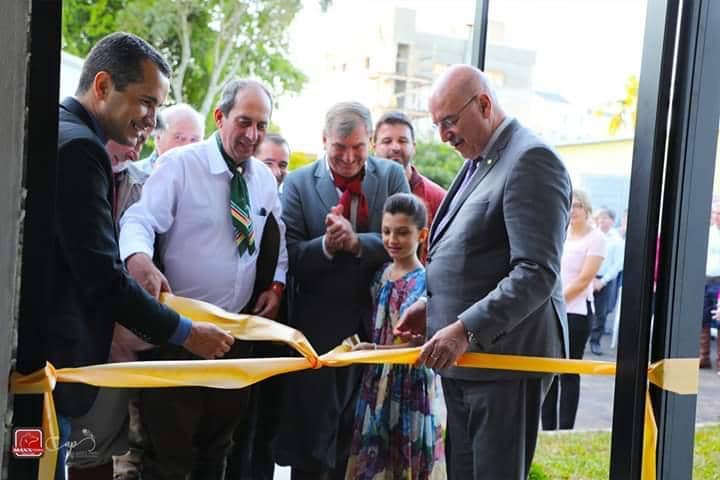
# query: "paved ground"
{"type": "Point", "coordinates": [597, 393]}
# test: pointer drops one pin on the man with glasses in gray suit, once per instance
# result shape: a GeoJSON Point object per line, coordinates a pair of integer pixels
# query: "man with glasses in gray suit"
{"type": "Point", "coordinates": [493, 278]}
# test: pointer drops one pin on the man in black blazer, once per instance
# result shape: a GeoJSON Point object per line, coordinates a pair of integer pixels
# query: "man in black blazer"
{"type": "Point", "coordinates": [122, 83]}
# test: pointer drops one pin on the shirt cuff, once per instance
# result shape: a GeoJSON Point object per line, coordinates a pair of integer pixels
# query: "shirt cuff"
{"type": "Point", "coordinates": [324, 249]}
{"type": "Point", "coordinates": [131, 250]}
{"type": "Point", "coordinates": [280, 276]}
{"type": "Point", "coordinates": [182, 332]}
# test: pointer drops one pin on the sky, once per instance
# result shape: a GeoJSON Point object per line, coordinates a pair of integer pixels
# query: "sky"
{"type": "Point", "coordinates": [585, 49]}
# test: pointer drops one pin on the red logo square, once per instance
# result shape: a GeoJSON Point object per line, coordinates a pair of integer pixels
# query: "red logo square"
{"type": "Point", "coordinates": [28, 442]}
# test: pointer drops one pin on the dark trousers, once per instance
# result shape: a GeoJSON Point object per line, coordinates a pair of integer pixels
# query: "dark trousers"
{"type": "Point", "coordinates": [344, 440]}
{"type": "Point", "coordinates": [251, 456]}
{"type": "Point", "coordinates": [605, 299]}
{"type": "Point", "coordinates": [492, 427]}
{"type": "Point", "coordinates": [190, 429]}
{"type": "Point", "coordinates": [337, 474]}
{"type": "Point", "coordinates": [64, 427]}
{"type": "Point", "coordinates": [567, 384]}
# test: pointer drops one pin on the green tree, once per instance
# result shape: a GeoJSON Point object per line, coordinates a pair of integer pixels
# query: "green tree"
{"type": "Point", "coordinates": [437, 161]}
{"type": "Point", "coordinates": [206, 42]}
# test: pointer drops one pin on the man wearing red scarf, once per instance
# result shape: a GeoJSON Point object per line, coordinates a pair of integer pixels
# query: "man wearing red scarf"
{"type": "Point", "coordinates": [333, 211]}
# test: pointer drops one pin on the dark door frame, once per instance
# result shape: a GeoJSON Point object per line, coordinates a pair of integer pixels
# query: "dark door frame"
{"type": "Point", "coordinates": [690, 167]}
{"type": "Point", "coordinates": [43, 87]}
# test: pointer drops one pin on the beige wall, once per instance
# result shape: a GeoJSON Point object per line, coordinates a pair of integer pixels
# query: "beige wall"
{"type": "Point", "coordinates": [609, 158]}
{"type": "Point", "coordinates": [600, 158]}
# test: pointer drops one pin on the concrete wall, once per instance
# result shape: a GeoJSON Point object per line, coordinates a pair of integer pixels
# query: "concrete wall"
{"type": "Point", "coordinates": [13, 70]}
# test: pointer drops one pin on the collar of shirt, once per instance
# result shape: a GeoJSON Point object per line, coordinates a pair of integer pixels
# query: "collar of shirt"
{"type": "Point", "coordinates": [327, 168]}
{"type": "Point", "coordinates": [495, 135]}
{"type": "Point", "coordinates": [332, 179]}
{"type": "Point", "coordinates": [416, 180]}
{"type": "Point", "coordinates": [152, 159]}
{"type": "Point", "coordinates": [217, 163]}
{"type": "Point", "coordinates": [120, 167]}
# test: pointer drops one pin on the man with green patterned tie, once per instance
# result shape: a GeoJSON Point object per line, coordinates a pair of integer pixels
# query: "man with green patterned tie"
{"type": "Point", "coordinates": [215, 210]}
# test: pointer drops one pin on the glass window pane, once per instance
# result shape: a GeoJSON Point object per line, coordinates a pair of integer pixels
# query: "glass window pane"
{"type": "Point", "coordinates": [568, 70]}
{"type": "Point", "coordinates": [383, 53]}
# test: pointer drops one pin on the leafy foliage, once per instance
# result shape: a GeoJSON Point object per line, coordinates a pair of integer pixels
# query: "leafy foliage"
{"type": "Point", "coordinates": [206, 42]}
{"type": "Point", "coordinates": [300, 159]}
{"type": "Point", "coordinates": [437, 161]}
{"type": "Point", "coordinates": [85, 22]}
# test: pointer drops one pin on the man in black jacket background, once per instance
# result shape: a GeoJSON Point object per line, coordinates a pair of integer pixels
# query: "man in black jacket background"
{"type": "Point", "coordinates": [123, 82]}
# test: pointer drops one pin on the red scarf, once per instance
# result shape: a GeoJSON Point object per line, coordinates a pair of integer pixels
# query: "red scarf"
{"type": "Point", "coordinates": [349, 187]}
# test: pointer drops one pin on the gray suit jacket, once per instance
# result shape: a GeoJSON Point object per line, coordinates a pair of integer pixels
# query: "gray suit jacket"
{"type": "Point", "coordinates": [495, 263]}
{"type": "Point", "coordinates": [332, 296]}
{"type": "Point", "coordinates": [329, 301]}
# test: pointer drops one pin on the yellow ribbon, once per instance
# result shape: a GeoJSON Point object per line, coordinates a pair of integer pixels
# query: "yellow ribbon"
{"type": "Point", "coordinates": [244, 327]}
{"type": "Point", "coordinates": [676, 375]}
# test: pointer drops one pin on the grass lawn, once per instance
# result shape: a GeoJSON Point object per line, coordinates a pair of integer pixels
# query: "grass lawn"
{"type": "Point", "coordinates": [586, 455]}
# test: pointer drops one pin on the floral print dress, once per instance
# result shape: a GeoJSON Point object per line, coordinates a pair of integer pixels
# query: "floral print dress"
{"type": "Point", "coordinates": [400, 414]}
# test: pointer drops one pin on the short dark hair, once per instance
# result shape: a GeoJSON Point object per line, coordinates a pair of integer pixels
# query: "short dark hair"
{"type": "Point", "coordinates": [394, 118]}
{"type": "Point", "coordinates": [407, 204]}
{"type": "Point", "coordinates": [120, 54]}
{"type": "Point", "coordinates": [231, 89]}
{"type": "Point", "coordinates": [277, 139]}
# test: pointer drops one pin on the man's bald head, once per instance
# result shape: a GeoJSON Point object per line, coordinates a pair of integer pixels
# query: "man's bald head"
{"type": "Point", "coordinates": [178, 125]}
{"type": "Point", "coordinates": [464, 107]}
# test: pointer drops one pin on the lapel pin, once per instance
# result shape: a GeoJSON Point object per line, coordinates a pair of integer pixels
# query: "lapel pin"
{"type": "Point", "coordinates": [489, 161]}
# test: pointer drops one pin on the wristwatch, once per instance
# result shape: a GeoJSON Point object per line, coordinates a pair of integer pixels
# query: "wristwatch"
{"type": "Point", "coordinates": [277, 288]}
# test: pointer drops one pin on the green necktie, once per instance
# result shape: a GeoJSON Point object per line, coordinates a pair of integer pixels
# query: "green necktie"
{"type": "Point", "coordinates": [239, 205]}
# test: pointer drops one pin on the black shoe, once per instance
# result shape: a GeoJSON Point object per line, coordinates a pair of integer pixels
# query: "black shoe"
{"type": "Point", "coordinates": [595, 349]}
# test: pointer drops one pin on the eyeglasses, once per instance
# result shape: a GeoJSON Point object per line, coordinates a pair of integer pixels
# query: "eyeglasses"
{"type": "Point", "coordinates": [451, 120]}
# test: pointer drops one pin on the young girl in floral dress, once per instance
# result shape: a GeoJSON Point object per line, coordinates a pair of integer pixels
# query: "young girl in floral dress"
{"type": "Point", "coordinates": [399, 418]}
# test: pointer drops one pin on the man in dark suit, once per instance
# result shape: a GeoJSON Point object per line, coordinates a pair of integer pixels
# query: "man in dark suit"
{"type": "Point", "coordinates": [122, 83]}
{"type": "Point", "coordinates": [333, 210]}
{"type": "Point", "coordinates": [493, 278]}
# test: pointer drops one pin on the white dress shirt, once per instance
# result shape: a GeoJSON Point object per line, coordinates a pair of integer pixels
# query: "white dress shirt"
{"type": "Point", "coordinates": [613, 264]}
{"type": "Point", "coordinates": [187, 200]}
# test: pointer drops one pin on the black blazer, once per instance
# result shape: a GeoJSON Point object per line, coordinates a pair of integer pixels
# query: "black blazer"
{"type": "Point", "coordinates": [91, 289]}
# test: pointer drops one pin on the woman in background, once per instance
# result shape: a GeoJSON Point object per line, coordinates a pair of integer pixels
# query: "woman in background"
{"type": "Point", "coordinates": [584, 250]}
